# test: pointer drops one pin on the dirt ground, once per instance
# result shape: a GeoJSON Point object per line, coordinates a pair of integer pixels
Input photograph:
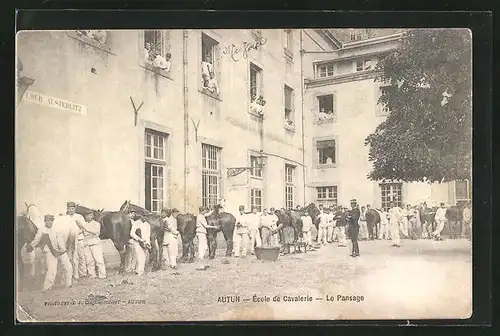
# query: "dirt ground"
{"type": "Point", "coordinates": [422, 279]}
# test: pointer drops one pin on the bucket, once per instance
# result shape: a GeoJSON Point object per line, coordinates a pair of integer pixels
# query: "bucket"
{"type": "Point", "coordinates": [267, 253]}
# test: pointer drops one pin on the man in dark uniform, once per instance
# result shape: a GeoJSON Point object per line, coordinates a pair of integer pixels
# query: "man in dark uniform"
{"type": "Point", "coordinates": [353, 218]}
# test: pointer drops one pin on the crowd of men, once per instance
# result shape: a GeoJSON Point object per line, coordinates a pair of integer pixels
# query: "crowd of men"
{"type": "Point", "coordinates": [72, 240]}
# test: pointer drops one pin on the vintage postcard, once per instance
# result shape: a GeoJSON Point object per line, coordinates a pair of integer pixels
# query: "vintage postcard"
{"type": "Point", "coordinates": [243, 174]}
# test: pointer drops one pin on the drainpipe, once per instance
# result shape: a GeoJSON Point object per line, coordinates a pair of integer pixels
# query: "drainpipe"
{"type": "Point", "coordinates": [186, 116]}
{"type": "Point", "coordinates": [303, 117]}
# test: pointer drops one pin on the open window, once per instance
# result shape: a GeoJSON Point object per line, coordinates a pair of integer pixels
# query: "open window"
{"type": "Point", "coordinates": [326, 152]}
{"type": "Point", "coordinates": [209, 70]}
{"type": "Point", "coordinates": [289, 110]}
{"type": "Point", "coordinates": [364, 65]}
{"type": "Point", "coordinates": [288, 43]}
{"type": "Point", "coordinates": [155, 50]}
{"type": "Point", "coordinates": [326, 107]}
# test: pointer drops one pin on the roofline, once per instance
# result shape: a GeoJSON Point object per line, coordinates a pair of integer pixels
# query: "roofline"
{"type": "Point", "coordinates": [371, 41]}
{"type": "Point", "coordinates": [328, 37]}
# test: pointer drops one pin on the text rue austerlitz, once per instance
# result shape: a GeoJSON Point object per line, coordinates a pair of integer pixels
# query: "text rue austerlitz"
{"type": "Point", "coordinates": [291, 298]}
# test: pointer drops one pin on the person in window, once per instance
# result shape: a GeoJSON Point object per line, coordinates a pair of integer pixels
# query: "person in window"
{"type": "Point", "coordinates": [93, 250]}
{"type": "Point", "coordinates": [162, 62]}
{"type": "Point", "coordinates": [329, 160]}
{"type": "Point", "coordinates": [440, 220]}
{"type": "Point", "coordinates": [140, 234]}
{"type": "Point", "coordinates": [241, 237]}
{"type": "Point", "coordinates": [148, 54]}
{"type": "Point", "coordinates": [395, 217]}
{"type": "Point", "coordinates": [201, 234]}
{"type": "Point", "coordinates": [208, 77]}
{"type": "Point", "coordinates": [253, 227]}
{"type": "Point", "coordinates": [54, 248]}
{"type": "Point", "coordinates": [467, 221]}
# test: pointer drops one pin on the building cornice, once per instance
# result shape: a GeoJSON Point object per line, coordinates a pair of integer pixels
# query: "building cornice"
{"type": "Point", "coordinates": [371, 41]}
{"type": "Point", "coordinates": [339, 79]}
{"type": "Point", "coordinates": [353, 57]}
{"type": "Point", "coordinates": [328, 37]}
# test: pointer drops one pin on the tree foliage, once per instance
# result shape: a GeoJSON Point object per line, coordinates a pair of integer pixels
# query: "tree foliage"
{"type": "Point", "coordinates": [427, 136]}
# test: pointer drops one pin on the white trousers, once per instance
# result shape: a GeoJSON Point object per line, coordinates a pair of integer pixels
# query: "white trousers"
{"type": "Point", "coordinates": [78, 259]}
{"type": "Point", "coordinates": [395, 233]}
{"type": "Point", "coordinates": [202, 245]}
{"type": "Point", "coordinates": [241, 244]}
{"type": "Point", "coordinates": [383, 232]}
{"type": "Point", "coordinates": [255, 239]}
{"type": "Point", "coordinates": [51, 262]}
{"type": "Point", "coordinates": [341, 235]}
{"type": "Point", "coordinates": [404, 226]}
{"type": "Point", "coordinates": [322, 234]}
{"type": "Point", "coordinates": [138, 262]}
{"type": "Point", "coordinates": [363, 230]}
{"type": "Point", "coordinates": [170, 252]}
{"type": "Point", "coordinates": [93, 258]}
{"type": "Point", "coordinates": [439, 228]}
{"type": "Point", "coordinates": [329, 233]}
{"type": "Point", "coordinates": [307, 237]}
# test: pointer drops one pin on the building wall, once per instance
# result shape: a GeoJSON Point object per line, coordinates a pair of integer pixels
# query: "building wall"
{"type": "Point", "coordinates": [97, 159]}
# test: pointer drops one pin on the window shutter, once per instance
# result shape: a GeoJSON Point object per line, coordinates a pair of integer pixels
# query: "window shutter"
{"type": "Point", "coordinates": [315, 104]}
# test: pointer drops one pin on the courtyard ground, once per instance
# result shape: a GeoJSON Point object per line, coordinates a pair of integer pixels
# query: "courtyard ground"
{"type": "Point", "coordinates": [422, 279]}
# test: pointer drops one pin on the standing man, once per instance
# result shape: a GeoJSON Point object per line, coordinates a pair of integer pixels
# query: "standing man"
{"type": "Point", "coordinates": [274, 221]}
{"type": "Point", "coordinates": [341, 224]}
{"type": "Point", "coordinates": [201, 233]}
{"type": "Point", "coordinates": [93, 250]}
{"type": "Point", "coordinates": [323, 227]}
{"type": "Point", "coordinates": [77, 255]}
{"type": "Point", "coordinates": [54, 248]}
{"type": "Point", "coordinates": [383, 233]}
{"type": "Point", "coordinates": [307, 225]}
{"type": "Point", "coordinates": [170, 242]}
{"type": "Point", "coordinates": [395, 217]}
{"type": "Point", "coordinates": [363, 228]}
{"type": "Point", "coordinates": [268, 225]}
{"type": "Point", "coordinates": [253, 227]}
{"type": "Point", "coordinates": [354, 227]}
{"type": "Point", "coordinates": [404, 221]}
{"type": "Point", "coordinates": [330, 225]}
{"type": "Point", "coordinates": [241, 238]}
{"type": "Point", "coordinates": [467, 221]}
{"type": "Point", "coordinates": [140, 236]}
{"type": "Point", "coordinates": [453, 218]}
{"type": "Point", "coordinates": [440, 220]}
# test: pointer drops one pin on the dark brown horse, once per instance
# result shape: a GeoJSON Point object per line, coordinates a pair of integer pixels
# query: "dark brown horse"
{"type": "Point", "coordinates": [25, 233]}
{"type": "Point", "coordinates": [313, 212]}
{"type": "Point", "coordinates": [157, 232]}
{"type": "Point", "coordinates": [115, 225]}
{"type": "Point", "coordinates": [225, 223]}
{"type": "Point", "coordinates": [186, 225]}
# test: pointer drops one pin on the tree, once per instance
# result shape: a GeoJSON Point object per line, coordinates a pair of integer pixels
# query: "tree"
{"type": "Point", "coordinates": [427, 135]}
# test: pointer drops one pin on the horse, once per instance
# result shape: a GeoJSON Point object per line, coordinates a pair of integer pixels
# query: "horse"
{"type": "Point", "coordinates": [289, 227]}
{"type": "Point", "coordinates": [225, 223]}
{"type": "Point", "coordinates": [25, 233]}
{"type": "Point", "coordinates": [372, 222]}
{"type": "Point", "coordinates": [157, 232]}
{"type": "Point", "coordinates": [313, 212]}
{"type": "Point", "coordinates": [115, 225]}
{"type": "Point", "coordinates": [186, 225]}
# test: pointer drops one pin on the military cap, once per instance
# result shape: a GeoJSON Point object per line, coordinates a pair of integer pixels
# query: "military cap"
{"type": "Point", "coordinates": [48, 218]}
{"type": "Point", "coordinates": [88, 211]}
{"type": "Point", "coordinates": [164, 209]}
{"type": "Point", "coordinates": [175, 210]}
{"type": "Point", "coordinates": [70, 204]}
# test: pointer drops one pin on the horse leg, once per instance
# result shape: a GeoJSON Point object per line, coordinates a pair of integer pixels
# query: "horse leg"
{"type": "Point", "coordinates": [159, 260]}
{"type": "Point", "coordinates": [212, 244]}
{"type": "Point", "coordinates": [185, 249]}
{"type": "Point", "coordinates": [191, 250]}
{"type": "Point", "coordinates": [228, 236]}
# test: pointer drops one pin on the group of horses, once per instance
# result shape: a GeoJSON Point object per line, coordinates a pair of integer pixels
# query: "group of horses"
{"type": "Point", "coordinates": [116, 226]}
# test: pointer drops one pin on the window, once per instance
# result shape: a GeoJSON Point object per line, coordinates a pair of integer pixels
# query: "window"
{"type": "Point", "coordinates": [289, 186]}
{"type": "Point", "coordinates": [255, 82]}
{"type": "Point", "coordinates": [256, 199]}
{"type": "Point", "coordinates": [391, 192]}
{"type": "Point", "coordinates": [209, 69]}
{"type": "Point", "coordinates": [325, 70]}
{"type": "Point", "coordinates": [155, 170]}
{"type": "Point", "coordinates": [327, 104]}
{"type": "Point", "coordinates": [211, 175]}
{"type": "Point", "coordinates": [288, 39]}
{"type": "Point", "coordinates": [154, 44]}
{"type": "Point", "coordinates": [462, 191]}
{"type": "Point", "coordinates": [383, 106]}
{"type": "Point", "coordinates": [288, 106]}
{"type": "Point", "coordinates": [327, 196]}
{"type": "Point", "coordinates": [256, 171]}
{"type": "Point", "coordinates": [326, 151]}
{"type": "Point", "coordinates": [364, 65]}
{"type": "Point", "coordinates": [355, 35]}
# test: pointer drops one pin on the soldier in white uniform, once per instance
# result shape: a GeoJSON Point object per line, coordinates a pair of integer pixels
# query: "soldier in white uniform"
{"type": "Point", "coordinates": [201, 234]}
{"type": "Point", "coordinates": [395, 217]}
{"type": "Point", "coordinates": [253, 228]}
{"type": "Point", "coordinates": [383, 232]}
{"type": "Point", "coordinates": [440, 220]}
{"type": "Point", "coordinates": [242, 233]}
{"type": "Point", "coordinates": [93, 250]}
{"type": "Point", "coordinates": [307, 225]}
{"type": "Point", "coordinates": [54, 248]}
{"type": "Point", "coordinates": [323, 227]}
{"type": "Point", "coordinates": [330, 225]}
{"type": "Point", "coordinates": [139, 244]}
{"type": "Point", "coordinates": [170, 242]}
{"type": "Point", "coordinates": [78, 255]}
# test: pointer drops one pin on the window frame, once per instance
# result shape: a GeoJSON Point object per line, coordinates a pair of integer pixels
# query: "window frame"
{"type": "Point", "coordinates": [215, 53]}
{"type": "Point", "coordinates": [290, 110]}
{"type": "Point", "coordinates": [391, 186]}
{"type": "Point", "coordinates": [155, 161]}
{"type": "Point", "coordinates": [383, 109]}
{"type": "Point", "coordinates": [254, 198]}
{"type": "Point", "coordinates": [363, 60]}
{"type": "Point", "coordinates": [209, 173]}
{"type": "Point", "coordinates": [330, 196]}
{"type": "Point", "coordinates": [259, 81]}
{"type": "Point", "coordinates": [289, 177]}
{"type": "Point", "coordinates": [318, 67]}
{"type": "Point", "coordinates": [288, 43]}
{"type": "Point", "coordinates": [255, 172]}
{"type": "Point", "coordinates": [467, 189]}
{"type": "Point", "coordinates": [165, 34]}
{"type": "Point", "coordinates": [318, 153]}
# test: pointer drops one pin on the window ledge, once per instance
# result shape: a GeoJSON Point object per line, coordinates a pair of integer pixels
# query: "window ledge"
{"type": "Point", "coordinates": [91, 42]}
{"type": "Point", "coordinates": [331, 120]}
{"type": "Point", "coordinates": [326, 166]}
{"type": "Point", "coordinates": [256, 177]}
{"type": "Point", "coordinates": [156, 70]}
{"type": "Point", "coordinates": [210, 94]}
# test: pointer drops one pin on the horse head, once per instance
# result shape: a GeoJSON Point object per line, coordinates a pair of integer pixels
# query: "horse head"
{"type": "Point", "coordinates": [125, 206]}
